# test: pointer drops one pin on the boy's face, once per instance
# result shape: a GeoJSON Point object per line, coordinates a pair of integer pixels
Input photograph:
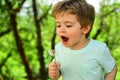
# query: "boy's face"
{"type": "Point", "coordinates": [69, 30]}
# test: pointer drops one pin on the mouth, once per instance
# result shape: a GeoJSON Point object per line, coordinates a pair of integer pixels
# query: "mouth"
{"type": "Point", "coordinates": [64, 38]}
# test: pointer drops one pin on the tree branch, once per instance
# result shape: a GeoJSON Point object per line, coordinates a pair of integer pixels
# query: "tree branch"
{"type": "Point", "coordinates": [13, 22]}
{"type": "Point", "coordinates": [4, 61]}
{"type": "Point", "coordinates": [40, 49]}
{"type": "Point", "coordinates": [102, 24]}
{"type": "Point", "coordinates": [5, 32]}
{"type": "Point", "coordinates": [107, 14]}
{"type": "Point", "coordinates": [53, 39]}
{"type": "Point", "coordinates": [45, 14]}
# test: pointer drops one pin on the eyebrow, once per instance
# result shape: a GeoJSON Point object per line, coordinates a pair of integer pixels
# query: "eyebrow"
{"type": "Point", "coordinates": [66, 22]}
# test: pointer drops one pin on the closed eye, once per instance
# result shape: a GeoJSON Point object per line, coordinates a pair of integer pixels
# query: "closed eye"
{"type": "Point", "coordinates": [58, 26]}
{"type": "Point", "coordinates": [68, 26]}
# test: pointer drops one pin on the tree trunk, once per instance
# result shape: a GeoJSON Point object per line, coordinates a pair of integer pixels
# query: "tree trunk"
{"type": "Point", "coordinates": [39, 44]}
{"type": "Point", "coordinates": [19, 45]}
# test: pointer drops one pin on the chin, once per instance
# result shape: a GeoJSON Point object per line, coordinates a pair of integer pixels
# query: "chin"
{"type": "Point", "coordinates": [66, 45]}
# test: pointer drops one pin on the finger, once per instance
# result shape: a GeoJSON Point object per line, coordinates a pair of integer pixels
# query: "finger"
{"type": "Point", "coordinates": [58, 65]}
{"type": "Point", "coordinates": [52, 64]}
{"type": "Point", "coordinates": [53, 72]}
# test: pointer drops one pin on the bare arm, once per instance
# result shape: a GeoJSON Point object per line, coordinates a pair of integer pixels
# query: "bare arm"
{"type": "Point", "coordinates": [111, 75]}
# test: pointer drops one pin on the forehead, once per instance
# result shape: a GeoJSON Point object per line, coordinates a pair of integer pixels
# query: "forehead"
{"type": "Point", "coordinates": [65, 16]}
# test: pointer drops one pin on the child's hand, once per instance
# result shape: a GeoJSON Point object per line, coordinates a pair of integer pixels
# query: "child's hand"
{"type": "Point", "coordinates": [54, 71]}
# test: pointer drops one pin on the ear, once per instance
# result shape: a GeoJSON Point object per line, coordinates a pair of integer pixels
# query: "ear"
{"type": "Point", "coordinates": [86, 29]}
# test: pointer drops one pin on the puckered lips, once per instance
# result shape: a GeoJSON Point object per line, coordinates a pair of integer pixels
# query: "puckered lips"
{"type": "Point", "coordinates": [64, 38]}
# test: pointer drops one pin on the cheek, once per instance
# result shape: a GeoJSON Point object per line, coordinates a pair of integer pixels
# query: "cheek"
{"type": "Point", "coordinates": [74, 34]}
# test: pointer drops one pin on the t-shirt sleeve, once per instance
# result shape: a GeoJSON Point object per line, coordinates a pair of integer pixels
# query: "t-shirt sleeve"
{"type": "Point", "coordinates": [106, 60]}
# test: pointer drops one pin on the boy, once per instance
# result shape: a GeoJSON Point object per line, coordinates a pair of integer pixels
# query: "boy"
{"type": "Point", "coordinates": [77, 56]}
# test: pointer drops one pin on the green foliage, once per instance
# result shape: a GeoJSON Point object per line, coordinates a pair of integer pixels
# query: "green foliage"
{"type": "Point", "coordinates": [13, 69]}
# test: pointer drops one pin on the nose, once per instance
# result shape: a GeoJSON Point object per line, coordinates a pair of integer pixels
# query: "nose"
{"type": "Point", "coordinates": [61, 30]}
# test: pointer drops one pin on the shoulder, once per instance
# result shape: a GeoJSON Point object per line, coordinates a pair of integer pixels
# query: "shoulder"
{"type": "Point", "coordinates": [101, 49]}
{"type": "Point", "coordinates": [98, 44]}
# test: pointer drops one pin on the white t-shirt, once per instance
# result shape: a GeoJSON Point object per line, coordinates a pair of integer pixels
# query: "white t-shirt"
{"type": "Point", "coordinates": [88, 63]}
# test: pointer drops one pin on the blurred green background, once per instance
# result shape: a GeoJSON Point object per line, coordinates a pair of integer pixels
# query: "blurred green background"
{"type": "Point", "coordinates": [27, 32]}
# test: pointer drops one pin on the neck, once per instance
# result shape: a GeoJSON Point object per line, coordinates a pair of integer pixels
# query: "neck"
{"type": "Point", "coordinates": [81, 44]}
